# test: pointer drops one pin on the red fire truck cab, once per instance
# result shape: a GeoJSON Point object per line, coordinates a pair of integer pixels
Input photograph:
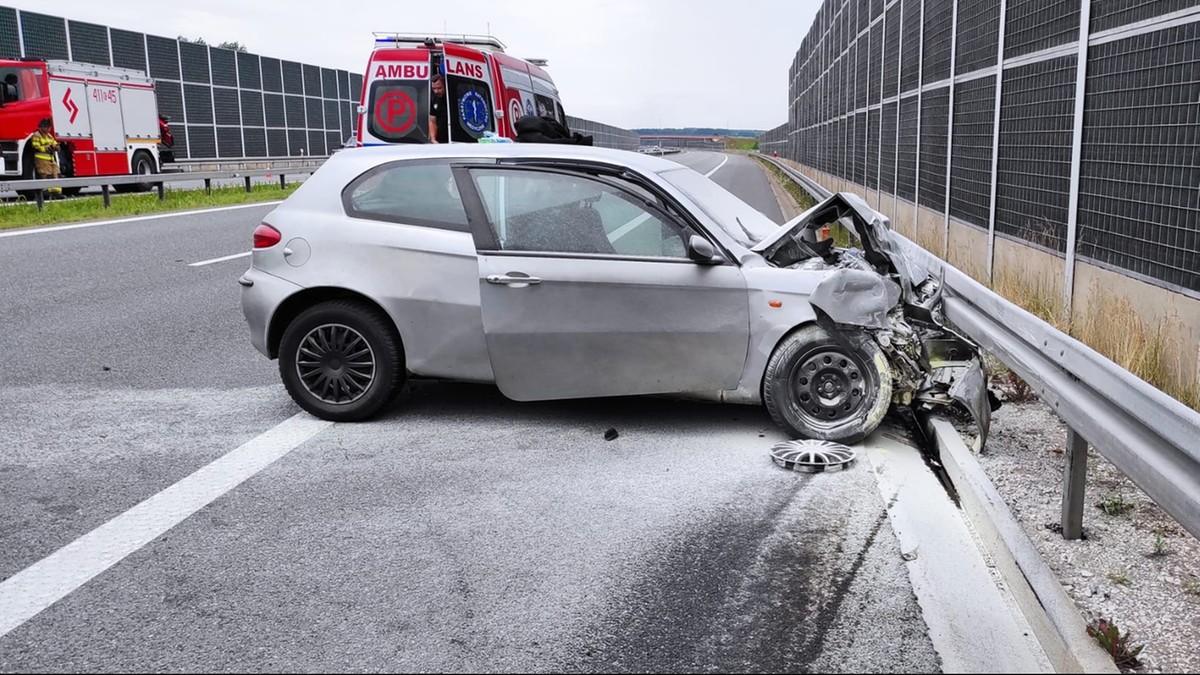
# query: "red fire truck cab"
{"type": "Point", "coordinates": [105, 119]}
{"type": "Point", "coordinates": [487, 90]}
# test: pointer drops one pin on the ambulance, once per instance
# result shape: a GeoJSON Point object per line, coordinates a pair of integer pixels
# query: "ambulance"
{"type": "Point", "coordinates": [105, 119]}
{"type": "Point", "coordinates": [487, 90]}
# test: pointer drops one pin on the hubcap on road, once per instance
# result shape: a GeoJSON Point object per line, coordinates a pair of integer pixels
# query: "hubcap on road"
{"type": "Point", "coordinates": [812, 456]}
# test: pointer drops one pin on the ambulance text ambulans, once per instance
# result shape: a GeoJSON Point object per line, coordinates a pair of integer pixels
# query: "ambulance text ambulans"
{"type": "Point", "coordinates": [105, 119]}
{"type": "Point", "coordinates": [487, 91]}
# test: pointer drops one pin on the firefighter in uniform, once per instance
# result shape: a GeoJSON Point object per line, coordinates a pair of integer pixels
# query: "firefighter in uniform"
{"type": "Point", "coordinates": [45, 155]}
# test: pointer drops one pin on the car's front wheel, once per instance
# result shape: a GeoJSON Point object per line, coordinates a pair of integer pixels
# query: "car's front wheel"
{"type": "Point", "coordinates": [341, 361]}
{"type": "Point", "coordinates": [821, 386]}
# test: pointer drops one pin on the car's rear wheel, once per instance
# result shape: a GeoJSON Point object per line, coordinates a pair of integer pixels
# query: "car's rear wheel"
{"type": "Point", "coordinates": [834, 388]}
{"type": "Point", "coordinates": [341, 361]}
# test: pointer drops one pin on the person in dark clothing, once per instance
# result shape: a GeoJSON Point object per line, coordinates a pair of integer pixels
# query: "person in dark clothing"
{"type": "Point", "coordinates": [10, 89]}
{"type": "Point", "coordinates": [439, 121]}
{"type": "Point", "coordinates": [535, 129]}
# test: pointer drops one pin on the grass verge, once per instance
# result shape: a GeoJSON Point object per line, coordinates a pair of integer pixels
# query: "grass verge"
{"type": "Point", "coordinates": [1114, 328]}
{"type": "Point", "coordinates": [82, 209]}
{"type": "Point", "coordinates": [741, 143]}
{"type": "Point", "coordinates": [798, 193]}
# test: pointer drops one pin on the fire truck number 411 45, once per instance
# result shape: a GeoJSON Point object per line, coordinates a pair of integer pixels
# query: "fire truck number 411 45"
{"type": "Point", "coordinates": [104, 95]}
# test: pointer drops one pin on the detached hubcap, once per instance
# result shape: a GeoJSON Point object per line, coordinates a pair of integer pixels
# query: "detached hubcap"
{"type": "Point", "coordinates": [335, 364]}
{"type": "Point", "coordinates": [829, 387]}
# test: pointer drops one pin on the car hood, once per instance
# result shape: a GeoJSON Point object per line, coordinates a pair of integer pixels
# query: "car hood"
{"type": "Point", "coordinates": [797, 239]}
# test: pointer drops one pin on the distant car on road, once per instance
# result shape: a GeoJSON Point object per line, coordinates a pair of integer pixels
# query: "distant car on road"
{"type": "Point", "coordinates": [562, 272]}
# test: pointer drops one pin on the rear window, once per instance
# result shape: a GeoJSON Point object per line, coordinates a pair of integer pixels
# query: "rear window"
{"type": "Point", "coordinates": [545, 107]}
{"type": "Point", "coordinates": [399, 111]}
{"type": "Point", "coordinates": [412, 193]}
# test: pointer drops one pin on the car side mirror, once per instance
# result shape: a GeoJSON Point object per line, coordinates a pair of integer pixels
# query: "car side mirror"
{"type": "Point", "coordinates": [700, 250]}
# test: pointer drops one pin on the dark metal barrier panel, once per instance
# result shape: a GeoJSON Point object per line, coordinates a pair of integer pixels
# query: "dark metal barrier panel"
{"type": "Point", "coordinates": [604, 135]}
{"type": "Point", "coordinates": [216, 98]}
{"type": "Point", "coordinates": [1034, 25]}
{"type": "Point", "coordinates": [971, 150]}
{"type": "Point", "coordinates": [1094, 160]}
{"type": "Point", "coordinates": [1141, 156]}
{"type": "Point", "coordinates": [935, 126]}
{"type": "Point", "coordinates": [978, 33]}
{"type": "Point", "coordinates": [1034, 172]}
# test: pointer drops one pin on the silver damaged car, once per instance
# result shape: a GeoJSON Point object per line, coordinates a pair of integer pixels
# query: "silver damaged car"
{"type": "Point", "coordinates": [562, 272]}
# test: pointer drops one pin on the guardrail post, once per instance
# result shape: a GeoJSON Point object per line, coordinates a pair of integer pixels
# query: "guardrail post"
{"type": "Point", "coordinates": [282, 182]}
{"type": "Point", "coordinates": [208, 186]}
{"type": "Point", "coordinates": [41, 201]}
{"type": "Point", "coordinates": [161, 192]}
{"type": "Point", "coordinates": [107, 199]}
{"type": "Point", "coordinates": [247, 183]}
{"type": "Point", "coordinates": [1074, 480]}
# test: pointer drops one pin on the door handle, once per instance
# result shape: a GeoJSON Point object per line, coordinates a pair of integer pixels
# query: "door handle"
{"type": "Point", "coordinates": [512, 280]}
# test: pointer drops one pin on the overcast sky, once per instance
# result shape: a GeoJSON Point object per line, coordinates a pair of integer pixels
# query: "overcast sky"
{"type": "Point", "coordinates": [632, 63]}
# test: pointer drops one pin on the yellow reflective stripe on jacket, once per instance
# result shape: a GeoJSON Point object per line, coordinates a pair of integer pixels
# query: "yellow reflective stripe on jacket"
{"type": "Point", "coordinates": [41, 147]}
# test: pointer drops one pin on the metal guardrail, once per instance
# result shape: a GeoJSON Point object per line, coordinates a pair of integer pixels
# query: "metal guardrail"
{"type": "Point", "coordinates": [1149, 436]}
{"type": "Point", "coordinates": [158, 180]}
{"type": "Point", "coordinates": [247, 163]}
{"type": "Point", "coordinates": [660, 151]}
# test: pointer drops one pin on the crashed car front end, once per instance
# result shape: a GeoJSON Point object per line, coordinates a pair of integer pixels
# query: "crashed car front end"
{"type": "Point", "coordinates": [881, 290]}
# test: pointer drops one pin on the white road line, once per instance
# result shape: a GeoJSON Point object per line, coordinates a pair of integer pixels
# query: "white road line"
{"type": "Point", "coordinates": [710, 173]}
{"type": "Point", "coordinates": [33, 589]}
{"type": "Point", "coordinates": [217, 260]}
{"type": "Point", "coordinates": [76, 226]}
{"type": "Point", "coordinates": [627, 227]}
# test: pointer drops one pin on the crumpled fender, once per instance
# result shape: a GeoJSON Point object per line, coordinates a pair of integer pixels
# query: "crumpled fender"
{"type": "Point", "coordinates": [970, 389]}
{"type": "Point", "coordinates": [856, 297]}
{"type": "Point", "coordinates": [956, 371]}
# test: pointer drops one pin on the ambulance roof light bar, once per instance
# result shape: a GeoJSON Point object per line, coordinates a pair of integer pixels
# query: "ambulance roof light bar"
{"type": "Point", "coordinates": [541, 63]}
{"type": "Point", "coordinates": [382, 38]}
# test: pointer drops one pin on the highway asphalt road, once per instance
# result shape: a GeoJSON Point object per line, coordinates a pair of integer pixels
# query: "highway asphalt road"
{"type": "Point", "coordinates": [461, 532]}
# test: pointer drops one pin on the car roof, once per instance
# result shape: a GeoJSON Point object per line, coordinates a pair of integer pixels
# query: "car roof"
{"type": "Point", "coordinates": [379, 154]}
{"type": "Point", "coordinates": [346, 165]}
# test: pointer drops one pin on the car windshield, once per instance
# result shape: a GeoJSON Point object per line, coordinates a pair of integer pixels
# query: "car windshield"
{"type": "Point", "coordinates": [741, 221]}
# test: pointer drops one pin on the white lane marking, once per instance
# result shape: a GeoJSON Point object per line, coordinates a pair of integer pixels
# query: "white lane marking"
{"type": "Point", "coordinates": [76, 226]}
{"type": "Point", "coordinates": [217, 260]}
{"type": "Point", "coordinates": [33, 589]}
{"type": "Point", "coordinates": [627, 227]}
{"type": "Point", "coordinates": [710, 173]}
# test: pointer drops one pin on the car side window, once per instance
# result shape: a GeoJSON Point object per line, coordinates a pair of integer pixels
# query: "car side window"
{"type": "Point", "coordinates": [410, 193]}
{"type": "Point", "coordinates": [533, 210]}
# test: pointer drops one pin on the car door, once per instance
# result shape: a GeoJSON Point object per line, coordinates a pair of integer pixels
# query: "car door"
{"type": "Point", "coordinates": [586, 289]}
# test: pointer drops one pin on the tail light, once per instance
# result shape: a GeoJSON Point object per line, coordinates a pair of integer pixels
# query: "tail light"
{"type": "Point", "coordinates": [266, 236]}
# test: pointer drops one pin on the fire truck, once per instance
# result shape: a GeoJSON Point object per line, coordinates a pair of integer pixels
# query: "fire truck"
{"type": "Point", "coordinates": [105, 119]}
{"type": "Point", "coordinates": [487, 90]}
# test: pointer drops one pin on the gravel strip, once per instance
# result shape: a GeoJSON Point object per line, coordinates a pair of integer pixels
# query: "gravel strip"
{"type": "Point", "coordinates": [1136, 567]}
